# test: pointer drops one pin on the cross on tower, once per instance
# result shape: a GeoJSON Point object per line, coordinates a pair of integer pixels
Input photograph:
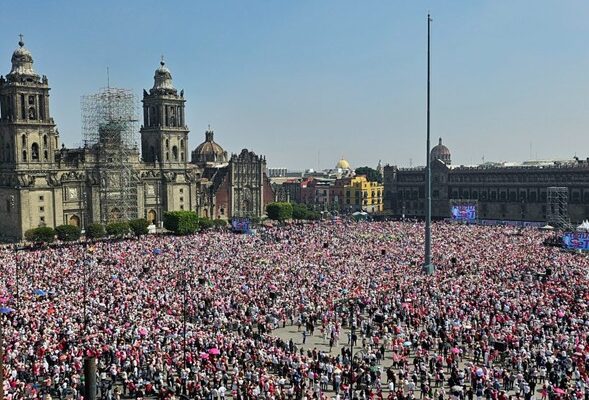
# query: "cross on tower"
{"type": "Point", "coordinates": [20, 42]}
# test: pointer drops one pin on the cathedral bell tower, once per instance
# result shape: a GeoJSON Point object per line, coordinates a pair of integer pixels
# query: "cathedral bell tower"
{"type": "Point", "coordinates": [164, 135]}
{"type": "Point", "coordinates": [28, 138]}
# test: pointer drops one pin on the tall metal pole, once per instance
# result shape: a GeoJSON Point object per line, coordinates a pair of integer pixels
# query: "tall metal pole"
{"type": "Point", "coordinates": [428, 267]}
{"type": "Point", "coordinates": [352, 331]}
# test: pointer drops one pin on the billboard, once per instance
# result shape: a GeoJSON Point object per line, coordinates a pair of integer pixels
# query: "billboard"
{"type": "Point", "coordinates": [463, 212]}
{"type": "Point", "coordinates": [576, 240]}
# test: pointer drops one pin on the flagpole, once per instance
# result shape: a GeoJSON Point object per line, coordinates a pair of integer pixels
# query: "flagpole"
{"type": "Point", "coordinates": [428, 267]}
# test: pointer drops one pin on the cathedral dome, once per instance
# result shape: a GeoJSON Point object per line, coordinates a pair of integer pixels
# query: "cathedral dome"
{"type": "Point", "coordinates": [22, 62]}
{"type": "Point", "coordinates": [162, 80]}
{"type": "Point", "coordinates": [209, 151]}
{"type": "Point", "coordinates": [342, 164]}
{"type": "Point", "coordinates": [442, 153]}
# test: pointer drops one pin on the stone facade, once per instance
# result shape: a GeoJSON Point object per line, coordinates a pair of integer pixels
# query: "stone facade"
{"type": "Point", "coordinates": [501, 191]}
{"type": "Point", "coordinates": [44, 183]}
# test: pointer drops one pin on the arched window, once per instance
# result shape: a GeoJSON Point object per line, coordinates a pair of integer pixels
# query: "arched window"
{"type": "Point", "coordinates": [181, 156]}
{"type": "Point", "coordinates": [175, 153]}
{"type": "Point", "coordinates": [45, 141]}
{"type": "Point", "coordinates": [167, 156]}
{"type": "Point", "coordinates": [31, 100]}
{"type": "Point", "coordinates": [182, 144]}
{"type": "Point", "coordinates": [35, 152]}
{"type": "Point", "coordinates": [167, 144]}
{"type": "Point", "coordinates": [24, 155]}
{"type": "Point", "coordinates": [23, 139]}
{"type": "Point", "coordinates": [45, 155]}
{"type": "Point", "coordinates": [32, 113]}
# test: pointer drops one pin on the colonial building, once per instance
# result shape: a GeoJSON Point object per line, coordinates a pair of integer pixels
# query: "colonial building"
{"type": "Point", "coordinates": [501, 191]}
{"type": "Point", "coordinates": [44, 183]}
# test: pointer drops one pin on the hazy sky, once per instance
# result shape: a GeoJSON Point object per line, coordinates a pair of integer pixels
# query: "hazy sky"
{"type": "Point", "coordinates": [305, 82]}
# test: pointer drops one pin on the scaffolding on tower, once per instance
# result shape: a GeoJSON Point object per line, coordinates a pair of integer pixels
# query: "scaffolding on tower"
{"type": "Point", "coordinates": [557, 207]}
{"type": "Point", "coordinates": [109, 120]}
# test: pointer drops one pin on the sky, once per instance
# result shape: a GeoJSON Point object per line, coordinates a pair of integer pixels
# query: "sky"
{"type": "Point", "coordinates": [306, 82]}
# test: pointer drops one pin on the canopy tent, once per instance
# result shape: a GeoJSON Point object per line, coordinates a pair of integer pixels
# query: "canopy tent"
{"type": "Point", "coordinates": [547, 228]}
{"type": "Point", "coordinates": [360, 215]}
{"type": "Point", "coordinates": [584, 227]}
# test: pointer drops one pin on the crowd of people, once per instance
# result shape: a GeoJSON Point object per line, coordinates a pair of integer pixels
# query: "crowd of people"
{"type": "Point", "coordinates": [207, 316]}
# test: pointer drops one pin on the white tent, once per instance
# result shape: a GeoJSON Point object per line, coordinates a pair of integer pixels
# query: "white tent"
{"type": "Point", "coordinates": [584, 227]}
{"type": "Point", "coordinates": [547, 228]}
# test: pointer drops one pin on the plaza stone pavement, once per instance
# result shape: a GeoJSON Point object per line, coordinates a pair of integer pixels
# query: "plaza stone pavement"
{"type": "Point", "coordinates": [386, 368]}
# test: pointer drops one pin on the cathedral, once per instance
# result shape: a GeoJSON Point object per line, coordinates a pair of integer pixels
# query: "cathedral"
{"type": "Point", "coordinates": [43, 183]}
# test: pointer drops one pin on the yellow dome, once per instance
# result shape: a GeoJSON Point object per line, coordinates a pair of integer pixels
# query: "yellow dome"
{"type": "Point", "coordinates": [343, 164]}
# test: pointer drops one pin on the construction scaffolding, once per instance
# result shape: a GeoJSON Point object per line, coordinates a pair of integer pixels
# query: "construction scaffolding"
{"type": "Point", "coordinates": [557, 207]}
{"type": "Point", "coordinates": [109, 120]}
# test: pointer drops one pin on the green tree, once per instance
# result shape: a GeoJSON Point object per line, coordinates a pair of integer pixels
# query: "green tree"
{"type": "Point", "coordinates": [220, 223]}
{"type": "Point", "coordinates": [371, 174]}
{"type": "Point", "coordinates": [40, 234]}
{"type": "Point", "coordinates": [139, 226]}
{"type": "Point", "coordinates": [279, 211]}
{"type": "Point", "coordinates": [95, 231]}
{"type": "Point", "coordinates": [117, 228]}
{"type": "Point", "coordinates": [181, 222]}
{"type": "Point", "coordinates": [205, 224]}
{"type": "Point", "coordinates": [68, 233]}
{"type": "Point", "coordinates": [300, 211]}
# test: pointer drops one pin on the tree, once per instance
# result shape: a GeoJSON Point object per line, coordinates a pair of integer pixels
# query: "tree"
{"type": "Point", "coordinates": [371, 174]}
{"type": "Point", "coordinates": [68, 233]}
{"type": "Point", "coordinates": [95, 231]}
{"type": "Point", "coordinates": [205, 224]}
{"type": "Point", "coordinates": [279, 211]}
{"type": "Point", "coordinates": [139, 226]}
{"type": "Point", "coordinates": [40, 234]}
{"type": "Point", "coordinates": [299, 211]}
{"type": "Point", "coordinates": [117, 228]}
{"type": "Point", "coordinates": [181, 222]}
{"type": "Point", "coordinates": [220, 223]}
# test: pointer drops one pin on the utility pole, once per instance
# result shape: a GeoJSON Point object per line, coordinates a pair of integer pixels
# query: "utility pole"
{"type": "Point", "coordinates": [428, 267]}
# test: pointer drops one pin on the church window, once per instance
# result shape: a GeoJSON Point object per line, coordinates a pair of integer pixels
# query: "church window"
{"type": "Point", "coordinates": [181, 156]}
{"type": "Point", "coordinates": [45, 155]}
{"type": "Point", "coordinates": [182, 144]}
{"type": "Point", "coordinates": [41, 108]}
{"type": "Point", "coordinates": [152, 117]}
{"type": "Point", "coordinates": [31, 100]}
{"type": "Point", "coordinates": [23, 139]}
{"type": "Point", "coordinates": [35, 152]}
{"type": "Point", "coordinates": [22, 107]}
{"type": "Point", "coordinates": [45, 141]}
{"type": "Point", "coordinates": [167, 144]}
{"type": "Point", "coordinates": [167, 156]}
{"type": "Point", "coordinates": [32, 113]}
{"type": "Point", "coordinates": [24, 155]}
{"type": "Point", "coordinates": [175, 153]}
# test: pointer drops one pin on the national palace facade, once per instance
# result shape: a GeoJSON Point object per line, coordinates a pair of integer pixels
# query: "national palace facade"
{"type": "Point", "coordinates": [44, 183]}
{"type": "Point", "coordinates": [502, 191]}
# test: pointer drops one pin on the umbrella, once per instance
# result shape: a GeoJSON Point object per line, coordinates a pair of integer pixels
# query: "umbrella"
{"type": "Point", "coordinates": [40, 292]}
{"type": "Point", "coordinates": [157, 251]}
{"type": "Point", "coordinates": [407, 343]}
{"type": "Point", "coordinates": [214, 351]}
{"type": "Point", "coordinates": [559, 391]}
{"type": "Point", "coordinates": [455, 350]}
{"type": "Point", "coordinates": [6, 310]}
{"type": "Point", "coordinates": [143, 331]}
{"type": "Point", "coordinates": [337, 371]}
{"type": "Point", "coordinates": [204, 356]}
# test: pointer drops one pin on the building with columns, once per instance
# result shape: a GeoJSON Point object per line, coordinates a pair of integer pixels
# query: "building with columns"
{"type": "Point", "coordinates": [43, 183]}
